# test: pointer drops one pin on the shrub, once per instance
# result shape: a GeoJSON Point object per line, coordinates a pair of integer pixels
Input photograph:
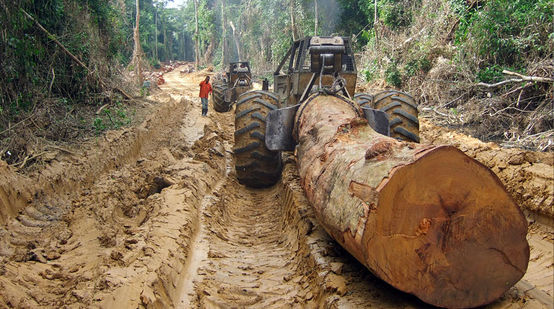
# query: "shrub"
{"type": "Point", "coordinates": [393, 76]}
{"type": "Point", "coordinates": [417, 65]}
{"type": "Point", "coordinates": [505, 32]}
{"type": "Point", "coordinates": [490, 74]}
{"type": "Point", "coordinates": [396, 13]}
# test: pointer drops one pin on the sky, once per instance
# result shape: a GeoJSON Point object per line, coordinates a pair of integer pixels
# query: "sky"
{"type": "Point", "coordinates": [175, 3]}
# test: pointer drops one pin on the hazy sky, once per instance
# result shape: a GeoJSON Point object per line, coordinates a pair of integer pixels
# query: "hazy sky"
{"type": "Point", "coordinates": [175, 3]}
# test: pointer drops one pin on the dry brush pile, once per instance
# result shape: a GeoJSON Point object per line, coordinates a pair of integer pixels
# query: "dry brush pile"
{"type": "Point", "coordinates": [484, 68]}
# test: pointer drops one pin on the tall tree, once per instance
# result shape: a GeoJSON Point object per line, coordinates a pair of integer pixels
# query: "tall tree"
{"type": "Point", "coordinates": [293, 20]}
{"type": "Point", "coordinates": [223, 34]}
{"type": "Point", "coordinates": [196, 36]}
{"type": "Point", "coordinates": [316, 17]}
{"type": "Point", "coordinates": [236, 38]}
{"type": "Point", "coordinates": [137, 52]}
{"type": "Point", "coordinates": [156, 33]}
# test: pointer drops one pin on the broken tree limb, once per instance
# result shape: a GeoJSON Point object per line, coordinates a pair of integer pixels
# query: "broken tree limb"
{"type": "Point", "coordinates": [428, 220]}
{"type": "Point", "coordinates": [529, 78]}
{"type": "Point", "coordinates": [504, 82]}
{"type": "Point", "coordinates": [520, 78]}
{"type": "Point", "coordinates": [73, 57]}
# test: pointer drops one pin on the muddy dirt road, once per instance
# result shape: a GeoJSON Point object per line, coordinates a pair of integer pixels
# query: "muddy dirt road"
{"type": "Point", "coordinates": [152, 216]}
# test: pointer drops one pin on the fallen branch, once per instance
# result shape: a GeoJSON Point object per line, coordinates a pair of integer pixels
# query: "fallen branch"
{"type": "Point", "coordinates": [20, 165]}
{"type": "Point", "coordinates": [529, 78]}
{"type": "Point", "coordinates": [15, 125]}
{"type": "Point", "coordinates": [412, 38]}
{"type": "Point", "coordinates": [449, 118]}
{"type": "Point", "coordinates": [52, 81]}
{"type": "Point", "coordinates": [520, 78]}
{"type": "Point", "coordinates": [514, 80]}
{"type": "Point", "coordinates": [53, 38]}
{"type": "Point", "coordinates": [100, 109]}
{"type": "Point", "coordinates": [456, 99]}
{"type": "Point", "coordinates": [508, 108]}
{"type": "Point", "coordinates": [436, 112]}
{"type": "Point", "coordinates": [23, 163]}
{"type": "Point", "coordinates": [517, 89]}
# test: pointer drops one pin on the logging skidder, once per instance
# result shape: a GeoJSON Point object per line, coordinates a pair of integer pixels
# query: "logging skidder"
{"type": "Point", "coordinates": [428, 220]}
{"type": "Point", "coordinates": [235, 82]}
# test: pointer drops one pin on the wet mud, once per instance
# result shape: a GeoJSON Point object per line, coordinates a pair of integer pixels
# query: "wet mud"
{"type": "Point", "coordinates": [153, 217]}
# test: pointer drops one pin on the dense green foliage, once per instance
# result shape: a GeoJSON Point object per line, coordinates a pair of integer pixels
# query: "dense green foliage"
{"type": "Point", "coordinates": [505, 34]}
{"type": "Point", "coordinates": [33, 68]}
{"type": "Point", "coordinates": [480, 38]}
{"type": "Point", "coordinates": [487, 36]}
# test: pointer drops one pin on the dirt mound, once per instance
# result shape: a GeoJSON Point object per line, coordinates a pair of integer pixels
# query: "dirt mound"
{"type": "Point", "coordinates": [119, 231]}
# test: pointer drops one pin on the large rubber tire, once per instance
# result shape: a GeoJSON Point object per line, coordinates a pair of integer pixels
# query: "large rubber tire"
{"type": "Point", "coordinates": [403, 114]}
{"type": "Point", "coordinates": [364, 99]}
{"type": "Point", "coordinates": [218, 98]}
{"type": "Point", "coordinates": [255, 165]}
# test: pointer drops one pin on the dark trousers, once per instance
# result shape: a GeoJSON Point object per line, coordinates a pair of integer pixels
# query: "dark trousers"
{"type": "Point", "coordinates": [204, 106]}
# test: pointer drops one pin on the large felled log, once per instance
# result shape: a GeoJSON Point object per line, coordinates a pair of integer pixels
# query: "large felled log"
{"type": "Point", "coordinates": [428, 220]}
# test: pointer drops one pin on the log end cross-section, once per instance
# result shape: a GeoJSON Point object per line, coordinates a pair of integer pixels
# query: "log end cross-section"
{"type": "Point", "coordinates": [429, 220]}
{"type": "Point", "coordinates": [448, 231]}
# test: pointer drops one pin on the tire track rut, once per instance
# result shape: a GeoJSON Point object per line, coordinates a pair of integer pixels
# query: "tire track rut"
{"type": "Point", "coordinates": [250, 262]}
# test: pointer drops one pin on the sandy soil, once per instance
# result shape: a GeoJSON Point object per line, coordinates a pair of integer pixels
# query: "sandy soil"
{"type": "Point", "coordinates": [152, 216]}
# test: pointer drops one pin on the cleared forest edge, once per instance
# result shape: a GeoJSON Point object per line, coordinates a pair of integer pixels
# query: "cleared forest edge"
{"type": "Point", "coordinates": [79, 169]}
{"type": "Point", "coordinates": [126, 232]}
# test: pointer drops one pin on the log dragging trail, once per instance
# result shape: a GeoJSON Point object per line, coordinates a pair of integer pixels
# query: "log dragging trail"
{"type": "Point", "coordinates": [429, 220]}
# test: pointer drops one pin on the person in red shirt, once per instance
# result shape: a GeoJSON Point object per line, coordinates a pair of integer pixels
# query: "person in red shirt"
{"type": "Point", "coordinates": [205, 90]}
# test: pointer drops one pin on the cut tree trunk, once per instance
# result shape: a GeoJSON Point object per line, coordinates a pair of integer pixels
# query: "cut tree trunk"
{"type": "Point", "coordinates": [428, 220]}
{"type": "Point", "coordinates": [196, 37]}
{"type": "Point", "coordinates": [236, 39]}
{"type": "Point", "coordinates": [292, 11]}
{"type": "Point", "coordinates": [137, 52]}
{"type": "Point", "coordinates": [316, 17]}
{"type": "Point", "coordinates": [223, 34]}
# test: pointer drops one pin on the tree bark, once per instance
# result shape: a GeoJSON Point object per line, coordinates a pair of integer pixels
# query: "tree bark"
{"type": "Point", "coordinates": [196, 38]}
{"type": "Point", "coordinates": [223, 35]}
{"type": "Point", "coordinates": [137, 53]}
{"type": "Point", "coordinates": [169, 46]}
{"type": "Point", "coordinates": [185, 46]}
{"type": "Point", "coordinates": [209, 51]}
{"type": "Point", "coordinates": [156, 34]}
{"type": "Point", "coordinates": [236, 39]}
{"type": "Point", "coordinates": [316, 19]}
{"type": "Point", "coordinates": [293, 20]}
{"type": "Point", "coordinates": [428, 220]}
{"type": "Point", "coordinates": [375, 12]}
